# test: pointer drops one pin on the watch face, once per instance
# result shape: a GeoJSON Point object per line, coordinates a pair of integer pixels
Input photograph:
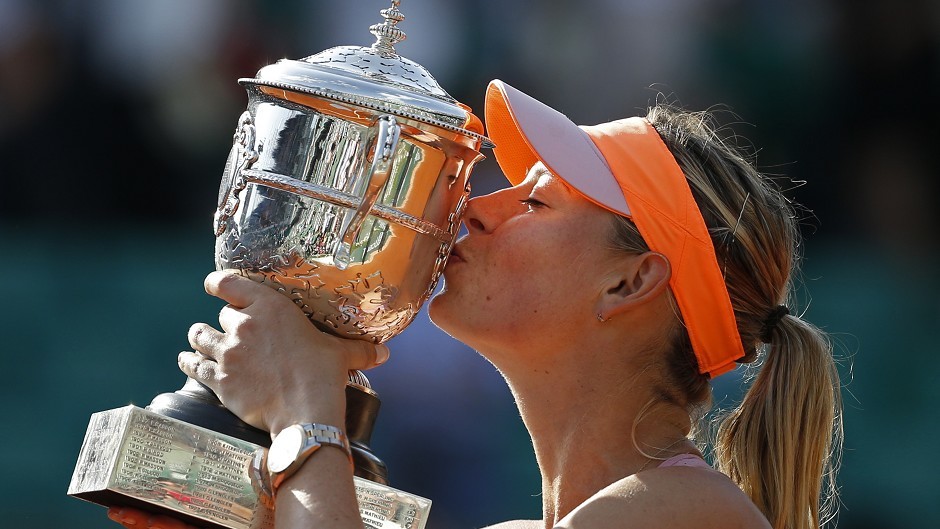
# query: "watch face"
{"type": "Point", "coordinates": [285, 448]}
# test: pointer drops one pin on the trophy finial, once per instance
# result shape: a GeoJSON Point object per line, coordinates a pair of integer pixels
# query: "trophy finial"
{"type": "Point", "coordinates": [386, 33]}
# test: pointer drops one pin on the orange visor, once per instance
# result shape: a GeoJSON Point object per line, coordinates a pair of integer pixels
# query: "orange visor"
{"type": "Point", "coordinates": [624, 166]}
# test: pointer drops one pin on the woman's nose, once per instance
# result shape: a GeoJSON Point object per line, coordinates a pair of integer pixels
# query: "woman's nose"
{"type": "Point", "coordinates": [485, 213]}
{"type": "Point", "coordinates": [473, 216]}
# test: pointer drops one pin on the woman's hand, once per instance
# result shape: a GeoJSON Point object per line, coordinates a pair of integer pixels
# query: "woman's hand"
{"type": "Point", "coordinates": [270, 365]}
{"type": "Point", "coordinates": [134, 519]}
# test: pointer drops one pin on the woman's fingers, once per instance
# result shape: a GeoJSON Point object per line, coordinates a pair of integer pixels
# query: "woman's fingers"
{"type": "Point", "coordinates": [238, 290]}
{"type": "Point", "coordinates": [364, 355]}
{"type": "Point", "coordinates": [203, 338]}
{"type": "Point", "coordinates": [134, 519]}
{"type": "Point", "coordinates": [200, 367]}
{"type": "Point", "coordinates": [382, 353]}
{"type": "Point", "coordinates": [231, 318]}
{"type": "Point", "coordinates": [123, 517]}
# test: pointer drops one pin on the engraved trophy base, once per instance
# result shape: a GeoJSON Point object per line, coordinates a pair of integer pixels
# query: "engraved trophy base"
{"type": "Point", "coordinates": [142, 459]}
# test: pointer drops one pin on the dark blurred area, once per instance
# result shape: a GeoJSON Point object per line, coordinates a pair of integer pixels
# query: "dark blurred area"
{"type": "Point", "coordinates": [116, 117]}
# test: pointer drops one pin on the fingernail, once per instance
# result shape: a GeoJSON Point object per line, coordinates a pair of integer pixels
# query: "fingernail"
{"type": "Point", "coordinates": [381, 354]}
{"type": "Point", "coordinates": [114, 514]}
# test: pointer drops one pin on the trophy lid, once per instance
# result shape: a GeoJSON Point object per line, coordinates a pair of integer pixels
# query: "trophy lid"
{"type": "Point", "coordinates": [376, 78]}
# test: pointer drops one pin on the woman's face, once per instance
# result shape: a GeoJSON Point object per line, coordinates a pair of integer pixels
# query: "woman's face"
{"type": "Point", "coordinates": [530, 270]}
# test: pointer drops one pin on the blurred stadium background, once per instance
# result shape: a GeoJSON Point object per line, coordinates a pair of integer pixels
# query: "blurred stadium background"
{"type": "Point", "coordinates": [116, 117]}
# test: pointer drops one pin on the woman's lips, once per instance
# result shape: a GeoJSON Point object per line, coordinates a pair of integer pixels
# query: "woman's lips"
{"type": "Point", "coordinates": [455, 257]}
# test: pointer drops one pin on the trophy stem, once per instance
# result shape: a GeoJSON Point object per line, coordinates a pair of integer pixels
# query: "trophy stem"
{"type": "Point", "coordinates": [362, 408]}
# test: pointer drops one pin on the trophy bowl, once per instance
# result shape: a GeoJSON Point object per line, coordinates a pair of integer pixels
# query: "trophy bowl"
{"type": "Point", "coordinates": [347, 202]}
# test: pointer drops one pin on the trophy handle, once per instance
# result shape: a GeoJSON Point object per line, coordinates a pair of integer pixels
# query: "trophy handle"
{"type": "Point", "coordinates": [241, 157]}
{"type": "Point", "coordinates": [385, 144]}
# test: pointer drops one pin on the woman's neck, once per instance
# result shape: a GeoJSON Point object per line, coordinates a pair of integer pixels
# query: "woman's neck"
{"type": "Point", "coordinates": [583, 432]}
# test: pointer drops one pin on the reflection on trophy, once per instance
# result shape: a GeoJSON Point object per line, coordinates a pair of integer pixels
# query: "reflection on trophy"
{"type": "Point", "coordinates": [343, 190]}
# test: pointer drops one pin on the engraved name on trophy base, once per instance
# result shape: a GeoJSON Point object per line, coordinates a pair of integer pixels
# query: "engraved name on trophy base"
{"type": "Point", "coordinates": [141, 459]}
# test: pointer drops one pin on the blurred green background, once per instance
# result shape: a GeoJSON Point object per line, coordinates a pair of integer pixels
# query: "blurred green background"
{"type": "Point", "coordinates": [116, 117]}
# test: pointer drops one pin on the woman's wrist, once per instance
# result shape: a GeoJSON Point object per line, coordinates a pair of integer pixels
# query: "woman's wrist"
{"type": "Point", "coordinates": [324, 408]}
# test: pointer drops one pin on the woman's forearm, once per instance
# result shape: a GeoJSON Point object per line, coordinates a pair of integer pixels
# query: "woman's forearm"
{"type": "Point", "coordinates": [320, 494]}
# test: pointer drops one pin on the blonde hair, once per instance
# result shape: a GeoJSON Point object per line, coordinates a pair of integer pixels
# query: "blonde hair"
{"type": "Point", "coordinates": [781, 445]}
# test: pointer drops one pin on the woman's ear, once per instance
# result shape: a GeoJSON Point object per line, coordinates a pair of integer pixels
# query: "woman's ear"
{"type": "Point", "coordinates": [640, 279]}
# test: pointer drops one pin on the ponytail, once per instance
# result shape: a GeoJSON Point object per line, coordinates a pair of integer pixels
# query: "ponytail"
{"type": "Point", "coordinates": [781, 444]}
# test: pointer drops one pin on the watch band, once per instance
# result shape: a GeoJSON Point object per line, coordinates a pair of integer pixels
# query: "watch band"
{"type": "Point", "coordinates": [324, 434]}
{"type": "Point", "coordinates": [261, 478]}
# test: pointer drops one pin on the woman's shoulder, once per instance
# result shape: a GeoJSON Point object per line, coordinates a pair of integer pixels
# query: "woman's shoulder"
{"type": "Point", "coordinates": [676, 497]}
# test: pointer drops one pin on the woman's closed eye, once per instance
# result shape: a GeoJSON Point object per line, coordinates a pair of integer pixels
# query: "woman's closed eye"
{"type": "Point", "coordinates": [532, 203]}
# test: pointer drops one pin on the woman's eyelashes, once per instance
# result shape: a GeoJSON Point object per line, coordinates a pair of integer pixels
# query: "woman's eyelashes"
{"type": "Point", "coordinates": [532, 203]}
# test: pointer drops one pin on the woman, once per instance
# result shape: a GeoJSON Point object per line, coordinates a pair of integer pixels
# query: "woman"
{"type": "Point", "coordinates": [629, 264]}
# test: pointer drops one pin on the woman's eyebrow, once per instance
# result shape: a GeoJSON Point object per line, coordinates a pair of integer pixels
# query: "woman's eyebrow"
{"type": "Point", "coordinates": [555, 182]}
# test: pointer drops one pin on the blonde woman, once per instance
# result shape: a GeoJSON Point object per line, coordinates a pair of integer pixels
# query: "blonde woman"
{"type": "Point", "coordinates": [629, 263]}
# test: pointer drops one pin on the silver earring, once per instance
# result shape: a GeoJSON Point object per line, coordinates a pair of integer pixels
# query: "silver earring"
{"type": "Point", "coordinates": [600, 318]}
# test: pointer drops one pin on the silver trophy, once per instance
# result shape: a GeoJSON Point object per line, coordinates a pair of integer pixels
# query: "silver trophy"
{"type": "Point", "coordinates": [343, 190]}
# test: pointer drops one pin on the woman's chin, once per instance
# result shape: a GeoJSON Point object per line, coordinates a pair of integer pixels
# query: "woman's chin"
{"type": "Point", "coordinates": [443, 312]}
{"type": "Point", "coordinates": [435, 309]}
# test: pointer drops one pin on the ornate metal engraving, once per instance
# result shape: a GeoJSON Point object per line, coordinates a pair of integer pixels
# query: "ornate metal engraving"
{"type": "Point", "coordinates": [453, 227]}
{"type": "Point", "coordinates": [241, 157]}
{"type": "Point", "coordinates": [363, 306]}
